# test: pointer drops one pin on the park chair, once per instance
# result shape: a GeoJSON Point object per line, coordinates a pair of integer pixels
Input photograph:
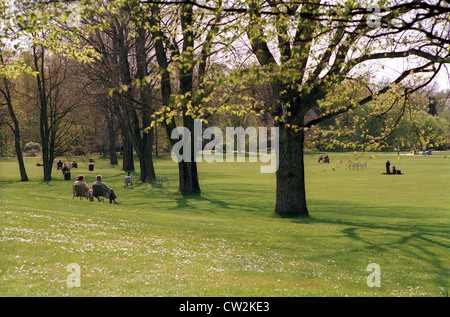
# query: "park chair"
{"type": "Point", "coordinates": [78, 192]}
{"type": "Point", "coordinates": [99, 193]}
{"type": "Point", "coordinates": [166, 180]}
{"type": "Point", "coordinates": [158, 182]}
{"type": "Point", "coordinates": [128, 182]}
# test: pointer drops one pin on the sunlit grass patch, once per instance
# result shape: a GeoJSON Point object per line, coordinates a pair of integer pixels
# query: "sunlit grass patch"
{"type": "Point", "coordinates": [225, 242]}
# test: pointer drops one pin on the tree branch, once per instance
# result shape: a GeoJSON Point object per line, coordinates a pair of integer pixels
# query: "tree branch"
{"type": "Point", "coordinates": [337, 112]}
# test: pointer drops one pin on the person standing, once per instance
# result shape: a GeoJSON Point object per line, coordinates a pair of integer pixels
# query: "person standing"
{"type": "Point", "coordinates": [66, 172]}
{"type": "Point", "coordinates": [59, 165]}
{"type": "Point", "coordinates": [388, 165]}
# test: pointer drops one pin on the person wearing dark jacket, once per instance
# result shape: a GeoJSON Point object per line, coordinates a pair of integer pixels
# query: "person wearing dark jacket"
{"type": "Point", "coordinates": [108, 192]}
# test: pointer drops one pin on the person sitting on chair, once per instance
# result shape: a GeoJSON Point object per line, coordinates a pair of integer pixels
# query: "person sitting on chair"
{"type": "Point", "coordinates": [128, 180]}
{"type": "Point", "coordinates": [86, 192]}
{"type": "Point", "coordinates": [108, 192]}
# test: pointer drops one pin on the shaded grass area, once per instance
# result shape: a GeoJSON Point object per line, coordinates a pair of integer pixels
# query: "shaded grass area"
{"type": "Point", "coordinates": [226, 242]}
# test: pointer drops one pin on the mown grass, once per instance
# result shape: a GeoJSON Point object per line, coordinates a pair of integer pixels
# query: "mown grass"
{"type": "Point", "coordinates": [226, 242]}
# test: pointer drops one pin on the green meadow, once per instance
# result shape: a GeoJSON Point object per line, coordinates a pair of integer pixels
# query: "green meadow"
{"type": "Point", "coordinates": [226, 242]}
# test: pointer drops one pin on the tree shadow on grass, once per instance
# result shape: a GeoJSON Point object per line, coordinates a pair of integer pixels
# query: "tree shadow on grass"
{"type": "Point", "coordinates": [9, 182]}
{"type": "Point", "coordinates": [51, 183]}
{"type": "Point", "coordinates": [207, 202]}
{"type": "Point", "coordinates": [192, 201]}
{"type": "Point", "coordinates": [382, 229]}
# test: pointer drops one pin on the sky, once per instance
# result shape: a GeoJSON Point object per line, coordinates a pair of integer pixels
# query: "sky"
{"type": "Point", "coordinates": [393, 67]}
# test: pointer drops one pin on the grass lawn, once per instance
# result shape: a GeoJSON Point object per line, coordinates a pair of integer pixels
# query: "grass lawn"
{"type": "Point", "coordinates": [226, 241]}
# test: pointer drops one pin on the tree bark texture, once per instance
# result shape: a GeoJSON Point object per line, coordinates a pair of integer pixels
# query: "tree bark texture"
{"type": "Point", "coordinates": [290, 193]}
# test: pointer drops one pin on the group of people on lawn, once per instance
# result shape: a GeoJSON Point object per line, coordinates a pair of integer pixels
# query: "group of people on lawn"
{"type": "Point", "coordinates": [325, 158]}
{"type": "Point", "coordinates": [64, 167]}
{"type": "Point", "coordinates": [394, 170]}
{"type": "Point", "coordinates": [89, 193]}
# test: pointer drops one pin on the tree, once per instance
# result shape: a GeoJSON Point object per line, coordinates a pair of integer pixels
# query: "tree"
{"type": "Point", "coordinates": [308, 54]}
{"type": "Point", "coordinates": [120, 77]}
{"type": "Point", "coordinates": [15, 128]}
{"type": "Point", "coordinates": [34, 28]}
{"type": "Point", "coordinates": [183, 50]}
{"type": "Point", "coordinates": [56, 98]}
{"type": "Point", "coordinates": [419, 126]}
{"type": "Point", "coordinates": [306, 50]}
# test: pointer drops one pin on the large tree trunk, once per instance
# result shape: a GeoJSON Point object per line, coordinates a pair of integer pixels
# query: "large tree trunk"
{"type": "Point", "coordinates": [45, 143]}
{"type": "Point", "coordinates": [147, 140]}
{"type": "Point", "coordinates": [112, 140]}
{"type": "Point", "coordinates": [144, 140]}
{"type": "Point", "coordinates": [46, 162]}
{"type": "Point", "coordinates": [143, 145]}
{"type": "Point", "coordinates": [23, 172]}
{"type": "Point", "coordinates": [44, 129]}
{"type": "Point", "coordinates": [291, 195]}
{"type": "Point", "coordinates": [144, 150]}
{"type": "Point", "coordinates": [128, 160]}
{"type": "Point", "coordinates": [188, 176]}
